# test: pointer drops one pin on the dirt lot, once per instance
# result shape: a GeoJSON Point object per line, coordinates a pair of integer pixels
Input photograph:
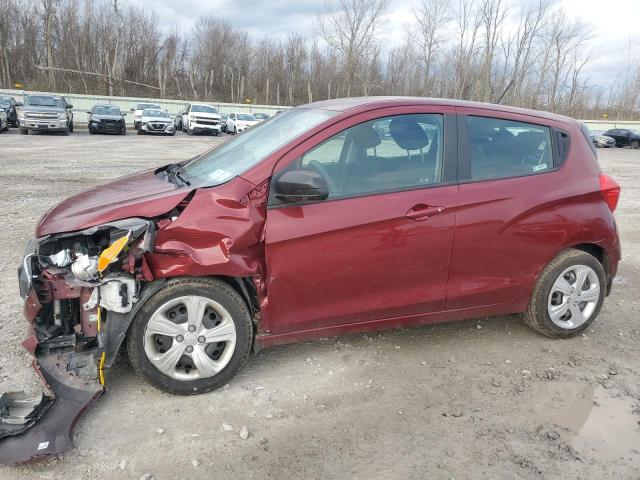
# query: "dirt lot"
{"type": "Point", "coordinates": [485, 398]}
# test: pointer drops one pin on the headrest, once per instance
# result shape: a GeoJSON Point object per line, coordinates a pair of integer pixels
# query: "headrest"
{"type": "Point", "coordinates": [365, 135]}
{"type": "Point", "coordinates": [408, 134]}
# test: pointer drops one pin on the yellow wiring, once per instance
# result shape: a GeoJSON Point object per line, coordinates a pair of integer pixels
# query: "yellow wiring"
{"type": "Point", "coordinates": [103, 357]}
{"type": "Point", "coordinates": [101, 370]}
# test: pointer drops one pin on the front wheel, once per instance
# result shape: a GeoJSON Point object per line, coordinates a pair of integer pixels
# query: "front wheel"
{"type": "Point", "coordinates": [24, 131]}
{"type": "Point", "coordinates": [635, 144]}
{"type": "Point", "coordinates": [568, 295]}
{"type": "Point", "coordinates": [191, 337]}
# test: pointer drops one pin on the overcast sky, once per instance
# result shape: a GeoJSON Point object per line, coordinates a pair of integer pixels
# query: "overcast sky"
{"type": "Point", "coordinates": [615, 23]}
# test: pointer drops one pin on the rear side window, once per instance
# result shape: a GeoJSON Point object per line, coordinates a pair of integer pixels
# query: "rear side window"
{"type": "Point", "coordinates": [505, 148]}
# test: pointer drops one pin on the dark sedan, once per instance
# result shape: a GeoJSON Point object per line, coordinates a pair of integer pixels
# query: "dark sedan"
{"type": "Point", "coordinates": [624, 137]}
{"type": "Point", "coordinates": [106, 119]}
{"type": "Point", "coordinates": [9, 105]}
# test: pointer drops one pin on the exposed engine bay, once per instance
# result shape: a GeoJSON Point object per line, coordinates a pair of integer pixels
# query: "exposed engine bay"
{"type": "Point", "coordinates": [78, 288]}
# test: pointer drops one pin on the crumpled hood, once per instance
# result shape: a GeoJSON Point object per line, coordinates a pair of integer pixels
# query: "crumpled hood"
{"type": "Point", "coordinates": [140, 195]}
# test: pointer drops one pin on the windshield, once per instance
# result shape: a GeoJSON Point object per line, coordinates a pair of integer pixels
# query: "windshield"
{"type": "Point", "coordinates": [5, 102]}
{"type": "Point", "coordinates": [244, 151]}
{"type": "Point", "coordinates": [106, 110]}
{"type": "Point", "coordinates": [41, 101]}
{"type": "Point", "coordinates": [203, 109]}
{"type": "Point", "coordinates": [155, 113]}
{"type": "Point", "coordinates": [246, 117]}
{"type": "Point", "coordinates": [144, 106]}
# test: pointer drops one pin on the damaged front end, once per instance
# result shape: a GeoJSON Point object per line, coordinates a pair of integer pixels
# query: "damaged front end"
{"type": "Point", "coordinates": [80, 291]}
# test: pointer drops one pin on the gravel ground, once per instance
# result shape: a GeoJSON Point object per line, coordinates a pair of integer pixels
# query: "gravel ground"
{"type": "Point", "coordinates": [485, 398]}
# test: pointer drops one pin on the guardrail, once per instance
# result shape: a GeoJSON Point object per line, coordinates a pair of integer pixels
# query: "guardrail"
{"type": "Point", "coordinates": [81, 103]}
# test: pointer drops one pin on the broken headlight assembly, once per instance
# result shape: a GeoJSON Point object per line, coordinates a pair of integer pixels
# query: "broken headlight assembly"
{"type": "Point", "coordinates": [79, 287]}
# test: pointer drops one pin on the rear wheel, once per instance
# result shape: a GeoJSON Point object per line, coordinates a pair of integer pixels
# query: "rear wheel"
{"type": "Point", "coordinates": [568, 295]}
{"type": "Point", "coordinates": [71, 127]}
{"type": "Point", "coordinates": [191, 337]}
{"type": "Point", "coordinates": [24, 131]}
{"type": "Point", "coordinates": [635, 145]}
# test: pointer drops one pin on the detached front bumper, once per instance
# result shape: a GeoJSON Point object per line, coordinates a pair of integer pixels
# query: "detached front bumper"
{"type": "Point", "coordinates": [48, 427]}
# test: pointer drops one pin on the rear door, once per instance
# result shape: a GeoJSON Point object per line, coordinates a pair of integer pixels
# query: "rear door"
{"type": "Point", "coordinates": [380, 245]}
{"type": "Point", "coordinates": [506, 226]}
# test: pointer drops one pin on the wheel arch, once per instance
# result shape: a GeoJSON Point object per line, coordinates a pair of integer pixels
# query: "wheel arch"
{"type": "Point", "coordinates": [600, 253]}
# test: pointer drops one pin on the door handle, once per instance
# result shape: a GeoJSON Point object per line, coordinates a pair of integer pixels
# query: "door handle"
{"type": "Point", "coordinates": [423, 212]}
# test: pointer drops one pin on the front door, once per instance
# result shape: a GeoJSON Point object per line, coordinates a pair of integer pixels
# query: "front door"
{"type": "Point", "coordinates": [380, 245]}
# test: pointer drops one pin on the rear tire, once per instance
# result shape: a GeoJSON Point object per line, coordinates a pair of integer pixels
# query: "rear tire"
{"type": "Point", "coordinates": [71, 127]}
{"type": "Point", "coordinates": [634, 144]}
{"type": "Point", "coordinates": [547, 297]}
{"type": "Point", "coordinates": [24, 131]}
{"type": "Point", "coordinates": [180, 374]}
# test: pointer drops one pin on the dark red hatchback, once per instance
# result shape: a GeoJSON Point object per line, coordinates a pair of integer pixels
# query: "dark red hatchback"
{"type": "Point", "coordinates": [335, 217]}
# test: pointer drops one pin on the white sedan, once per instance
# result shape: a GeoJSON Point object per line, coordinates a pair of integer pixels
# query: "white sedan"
{"type": "Point", "coordinates": [238, 122]}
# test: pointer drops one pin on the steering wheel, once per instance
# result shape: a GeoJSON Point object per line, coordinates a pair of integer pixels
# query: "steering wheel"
{"type": "Point", "coordinates": [318, 167]}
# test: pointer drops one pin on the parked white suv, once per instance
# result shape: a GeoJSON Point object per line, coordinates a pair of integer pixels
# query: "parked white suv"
{"type": "Point", "coordinates": [238, 122]}
{"type": "Point", "coordinates": [139, 108]}
{"type": "Point", "coordinates": [200, 117]}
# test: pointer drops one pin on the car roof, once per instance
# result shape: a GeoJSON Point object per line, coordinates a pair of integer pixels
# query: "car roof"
{"type": "Point", "coordinates": [105, 105]}
{"type": "Point", "coordinates": [359, 103]}
{"type": "Point", "coordinates": [202, 105]}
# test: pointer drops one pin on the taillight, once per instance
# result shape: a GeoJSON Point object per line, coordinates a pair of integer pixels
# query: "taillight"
{"type": "Point", "coordinates": [610, 191]}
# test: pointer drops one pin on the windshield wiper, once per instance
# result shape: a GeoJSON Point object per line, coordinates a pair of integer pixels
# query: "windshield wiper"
{"type": "Point", "coordinates": [175, 174]}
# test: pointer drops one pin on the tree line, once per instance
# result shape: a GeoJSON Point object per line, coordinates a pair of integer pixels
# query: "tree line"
{"type": "Point", "coordinates": [486, 50]}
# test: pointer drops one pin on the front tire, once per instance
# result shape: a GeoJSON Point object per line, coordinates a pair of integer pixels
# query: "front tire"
{"type": "Point", "coordinates": [568, 295]}
{"type": "Point", "coordinates": [635, 144]}
{"type": "Point", "coordinates": [191, 337]}
{"type": "Point", "coordinates": [24, 131]}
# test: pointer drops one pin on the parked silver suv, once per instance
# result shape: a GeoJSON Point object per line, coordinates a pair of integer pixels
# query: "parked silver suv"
{"type": "Point", "coordinates": [49, 113]}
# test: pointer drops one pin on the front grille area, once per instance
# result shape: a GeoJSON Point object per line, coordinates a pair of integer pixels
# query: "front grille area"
{"type": "Point", "coordinates": [157, 126]}
{"type": "Point", "coordinates": [207, 121]}
{"type": "Point", "coordinates": [41, 116]}
{"type": "Point", "coordinates": [111, 125]}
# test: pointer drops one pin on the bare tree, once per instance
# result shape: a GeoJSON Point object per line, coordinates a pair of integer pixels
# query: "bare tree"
{"type": "Point", "coordinates": [350, 28]}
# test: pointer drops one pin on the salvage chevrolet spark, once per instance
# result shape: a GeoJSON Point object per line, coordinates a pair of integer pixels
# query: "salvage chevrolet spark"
{"type": "Point", "coordinates": [335, 217]}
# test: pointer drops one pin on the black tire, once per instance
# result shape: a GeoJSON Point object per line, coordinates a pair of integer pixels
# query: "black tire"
{"type": "Point", "coordinates": [24, 131]}
{"type": "Point", "coordinates": [140, 131]}
{"type": "Point", "coordinates": [91, 131]}
{"type": "Point", "coordinates": [537, 316]}
{"type": "Point", "coordinates": [71, 127]}
{"type": "Point", "coordinates": [66, 131]}
{"type": "Point", "coordinates": [212, 288]}
{"type": "Point", "coordinates": [123, 131]}
{"type": "Point", "coordinates": [635, 145]}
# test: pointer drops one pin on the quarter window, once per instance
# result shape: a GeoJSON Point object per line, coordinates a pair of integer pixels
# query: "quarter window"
{"type": "Point", "coordinates": [505, 148]}
{"type": "Point", "coordinates": [386, 154]}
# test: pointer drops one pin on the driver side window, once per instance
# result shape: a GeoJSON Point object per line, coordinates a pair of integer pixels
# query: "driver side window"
{"type": "Point", "coordinates": [387, 154]}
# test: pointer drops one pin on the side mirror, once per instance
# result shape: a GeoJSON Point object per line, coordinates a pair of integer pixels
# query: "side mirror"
{"type": "Point", "coordinates": [69, 105]}
{"type": "Point", "coordinates": [124, 113]}
{"type": "Point", "coordinates": [301, 186]}
{"type": "Point", "coordinates": [18, 104]}
{"type": "Point", "coordinates": [88, 111]}
{"type": "Point", "coordinates": [133, 109]}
